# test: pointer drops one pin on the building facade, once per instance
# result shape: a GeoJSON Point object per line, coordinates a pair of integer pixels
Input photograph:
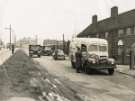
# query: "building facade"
{"type": "Point", "coordinates": [118, 29]}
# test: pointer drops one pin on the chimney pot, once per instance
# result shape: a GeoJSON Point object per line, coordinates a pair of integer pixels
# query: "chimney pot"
{"type": "Point", "coordinates": [114, 11]}
{"type": "Point", "coordinates": [94, 19]}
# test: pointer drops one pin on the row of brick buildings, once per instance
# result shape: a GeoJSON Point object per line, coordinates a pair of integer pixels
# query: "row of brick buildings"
{"type": "Point", "coordinates": [118, 29]}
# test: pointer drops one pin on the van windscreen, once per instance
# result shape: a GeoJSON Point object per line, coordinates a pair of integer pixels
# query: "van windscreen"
{"type": "Point", "coordinates": [103, 48]}
{"type": "Point", "coordinates": [93, 48]}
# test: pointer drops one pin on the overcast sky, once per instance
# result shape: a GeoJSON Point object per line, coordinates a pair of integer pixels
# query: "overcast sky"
{"type": "Point", "coordinates": [52, 18]}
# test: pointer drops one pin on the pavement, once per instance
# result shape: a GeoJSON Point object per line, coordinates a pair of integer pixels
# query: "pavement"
{"type": "Point", "coordinates": [4, 55]}
{"type": "Point", "coordinates": [125, 69]}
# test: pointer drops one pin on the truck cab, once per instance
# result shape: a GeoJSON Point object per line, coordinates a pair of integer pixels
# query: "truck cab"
{"type": "Point", "coordinates": [34, 50]}
{"type": "Point", "coordinates": [95, 53]}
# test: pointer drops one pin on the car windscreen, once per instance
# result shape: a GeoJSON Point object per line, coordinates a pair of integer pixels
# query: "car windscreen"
{"type": "Point", "coordinates": [35, 48]}
{"type": "Point", "coordinates": [60, 52]}
{"type": "Point", "coordinates": [47, 48]}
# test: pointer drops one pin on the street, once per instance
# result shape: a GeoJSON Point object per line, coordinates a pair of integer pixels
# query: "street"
{"type": "Point", "coordinates": [67, 50]}
{"type": "Point", "coordinates": [97, 86]}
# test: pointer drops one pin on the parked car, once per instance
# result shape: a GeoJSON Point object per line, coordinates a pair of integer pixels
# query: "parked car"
{"type": "Point", "coordinates": [34, 50]}
{"type": "Point", "coordinates": [58, 54]}
{"type": "Point", "coordinates": [46, 50]}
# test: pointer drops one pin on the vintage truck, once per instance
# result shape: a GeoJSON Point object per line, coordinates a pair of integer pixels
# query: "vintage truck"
{"type": "Point", "coordinates": [96, 54]}
{"type": "Point", "coordinates": [35, 50]}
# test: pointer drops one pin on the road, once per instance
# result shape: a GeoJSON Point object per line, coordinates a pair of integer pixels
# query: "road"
{"type": "Point", "coordinates": [97, 86]}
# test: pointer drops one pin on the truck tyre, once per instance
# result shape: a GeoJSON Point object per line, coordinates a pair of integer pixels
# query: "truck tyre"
{"type": "Point", "coordinates": [77, 70]}
{"type": "Point", "coordinates": [30, 55]}
{"type": "Point", "coordinates": [73, 64]}
{"type": "Point", "coordinates": [111, 71]}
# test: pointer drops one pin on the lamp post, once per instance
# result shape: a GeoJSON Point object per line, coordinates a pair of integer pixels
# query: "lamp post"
{"type": "Point", "coordinates": [121, 49]}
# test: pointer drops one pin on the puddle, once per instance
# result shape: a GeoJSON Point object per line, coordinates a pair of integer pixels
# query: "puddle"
{"type": "Point", "coordinates": [21, 99]}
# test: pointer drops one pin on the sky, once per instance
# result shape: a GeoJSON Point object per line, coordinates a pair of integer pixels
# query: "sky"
{"type": "Point", "coordinates": [49, 19]}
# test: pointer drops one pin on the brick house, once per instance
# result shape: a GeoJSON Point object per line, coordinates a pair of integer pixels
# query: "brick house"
{"type": "Point", "coordinates": [118, 29]}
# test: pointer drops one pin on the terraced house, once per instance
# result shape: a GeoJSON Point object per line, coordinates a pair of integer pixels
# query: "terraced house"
{"type": "Point", "coordinates": [118, 29]}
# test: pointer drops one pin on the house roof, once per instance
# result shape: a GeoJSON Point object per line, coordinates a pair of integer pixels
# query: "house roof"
{"type": "Point", "coordinates": [121, 21]}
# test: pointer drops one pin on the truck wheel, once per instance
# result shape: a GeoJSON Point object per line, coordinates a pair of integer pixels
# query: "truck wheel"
{"type": "Point", "coordinates": [111, 71]}
{"type": "Point", "coordinates": [30, 55]}
{"type": "Point", "coordinates": [73, 64]}
{"type": "Point", "coordinates": [77, 70]}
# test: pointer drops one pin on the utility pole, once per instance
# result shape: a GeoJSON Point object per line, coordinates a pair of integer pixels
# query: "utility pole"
{"type": "Point", "coordinates": [10, 34]}
{"type": "Point", "coordinates": [63, 43]}
{"type": "Point", "coordinates": [36, 38]}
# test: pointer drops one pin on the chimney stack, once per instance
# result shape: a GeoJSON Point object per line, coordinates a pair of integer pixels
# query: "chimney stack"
{"type": "Point", "coordinates": [114, 11]}
{"type": "Point", "coordinates": [94, 19]}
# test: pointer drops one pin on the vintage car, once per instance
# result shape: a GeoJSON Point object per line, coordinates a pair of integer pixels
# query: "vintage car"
{"type": "Point", "coordinates": [58, 54]}
{"type": "Point", "coordinates": [46, 51]}
{"type": "Point", "coordinates": [35, 50]}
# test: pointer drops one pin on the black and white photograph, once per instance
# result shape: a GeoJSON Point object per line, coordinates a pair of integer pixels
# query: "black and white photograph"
{"type": "Point", "coordinates": [67, 50]}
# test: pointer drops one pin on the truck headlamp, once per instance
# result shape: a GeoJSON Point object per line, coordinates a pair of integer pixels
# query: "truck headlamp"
{"type": "Point", "coordinates": [111, 61]}
{"type": "Point", "coordinates": [92, 60]}
{"type": "Point", "coordinates": [31, 51]}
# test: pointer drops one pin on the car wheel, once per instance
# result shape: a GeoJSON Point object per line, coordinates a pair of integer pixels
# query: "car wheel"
{"type": "Point", "coordinates": [64, 58]}
{"type": "Point", "coordinates": [111, 71]}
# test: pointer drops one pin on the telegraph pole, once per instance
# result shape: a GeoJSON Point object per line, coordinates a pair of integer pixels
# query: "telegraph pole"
{"type": "Point", "coordinates": [10, 34]}
{"type": "Point", "coordinates": [36, 38]}
{"type": "Point", "coordinates": [63, 43]}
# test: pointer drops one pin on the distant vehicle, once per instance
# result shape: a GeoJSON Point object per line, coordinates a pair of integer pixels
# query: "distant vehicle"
{"type": "Point", "coordinates": [34, 50]}
{"type": "Point", "coordinates": [46, 50]}
{"type": "Point", "coordinates": [58, 55]}
{"type": "Point", "coordinates": [8, 46]}
{"type": "Point", "coordinates": [97, 54]}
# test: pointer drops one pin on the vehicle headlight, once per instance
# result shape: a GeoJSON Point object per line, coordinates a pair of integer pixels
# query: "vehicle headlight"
{"type": "Point", "coordinates": [31, 51]}
{"type": "Point", "coordinates": [112, 61]}
{"type": "Point", "coordinates": [93, 58]}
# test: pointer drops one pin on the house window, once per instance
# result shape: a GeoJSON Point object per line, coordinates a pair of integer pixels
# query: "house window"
{"type": "Point", "coordinates": [106, 35]}
{"type": "Point", "coordinates": [102, 35]}
{"type": "Point", "coordinates": [128, 31]}
{"type": "Point", "coordinates": [120, 51]}
{"type": "Point", "coordinates": [134, 30]}
{"type": "Point", "coordinates": [97, 35]}
{"type": "Point", "coordinates": [127, 51]}
{"type": "Point", "coordinates": [120, 32]}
